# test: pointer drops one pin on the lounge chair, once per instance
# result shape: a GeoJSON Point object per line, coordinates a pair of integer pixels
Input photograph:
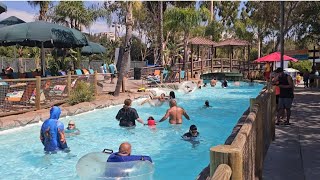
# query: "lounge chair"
{"type": "Point", "coordinates": [62, 73]}
{"type": "Point", "coordinates": [57, 90]}
{"type": "Point", "coordinates": [91, 71]}
{"type": "Point", "coordinates": [85, 72]}
{"type": "Point", "coordinates": [78, 72]}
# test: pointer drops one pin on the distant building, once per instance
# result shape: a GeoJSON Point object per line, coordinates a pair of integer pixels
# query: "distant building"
{"type": "Point", "coordinates": [110, 35]}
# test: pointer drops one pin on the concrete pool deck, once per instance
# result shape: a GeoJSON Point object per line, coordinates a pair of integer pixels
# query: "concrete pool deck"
{"type": "Point", "coordinates": [295, 153]}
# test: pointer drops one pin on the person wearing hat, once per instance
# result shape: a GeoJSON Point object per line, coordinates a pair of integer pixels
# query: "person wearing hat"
{"type": "Point", "coordinates": [71, 129]}
{"type": "Point", "coordinates": [193, 132]}
{"type": "Point", "coordinates": [286, 94]}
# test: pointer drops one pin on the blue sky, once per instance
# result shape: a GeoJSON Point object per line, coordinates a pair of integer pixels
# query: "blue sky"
{"type": "Point", "coordinates": [24, 11]}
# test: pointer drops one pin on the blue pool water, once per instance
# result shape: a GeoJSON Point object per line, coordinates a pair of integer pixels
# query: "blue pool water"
{"type": "Point", "coordinates": [22, 156]}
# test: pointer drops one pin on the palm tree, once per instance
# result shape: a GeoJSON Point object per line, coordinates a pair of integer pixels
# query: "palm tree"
{"type": "Point", "coordinates": [44, 6]}
{"type": "Point", "coordinates": [127, 46]}
{"type": "Point", "coordinates": [74, 14]}
{"type": "Point", "coordinates": [185, 19]}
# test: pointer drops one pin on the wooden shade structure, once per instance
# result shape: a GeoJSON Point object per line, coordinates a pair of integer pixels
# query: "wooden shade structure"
{"type": "Point", "coordinates": [231, 42]}
{"type": "Point", "coordinates": [199, 41]}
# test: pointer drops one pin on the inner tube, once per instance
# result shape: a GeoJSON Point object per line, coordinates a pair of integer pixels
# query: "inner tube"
{"type": "Point", "coordinates": [94, 165]}
{"type": "Point", "coordinates": [188, 86]}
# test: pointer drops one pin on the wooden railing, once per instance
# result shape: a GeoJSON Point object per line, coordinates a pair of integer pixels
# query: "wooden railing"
{"type": "Point", "coordinates": [28, 94]}
{"type": "Point", "coordinates": [245, 149]}
{"type": "Point", "coordinates": [223, 172]}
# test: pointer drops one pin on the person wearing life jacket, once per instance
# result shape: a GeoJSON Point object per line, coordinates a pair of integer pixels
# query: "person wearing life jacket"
{"type": "Point", "coordinates": [124, 155]}
{"type": "Point", "coordinates": [52, 133]}
{"type": "Point", "coordinates": [151, 121]}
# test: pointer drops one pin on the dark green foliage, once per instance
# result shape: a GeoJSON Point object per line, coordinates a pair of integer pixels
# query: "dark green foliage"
{"type": "Point", "coordinates": [301, 65]}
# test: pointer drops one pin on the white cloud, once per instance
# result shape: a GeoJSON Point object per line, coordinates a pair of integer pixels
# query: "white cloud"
{"type": "Point", "coordinates": [26, 16]}
{"type": "Point", "coordinates": [97, 27]}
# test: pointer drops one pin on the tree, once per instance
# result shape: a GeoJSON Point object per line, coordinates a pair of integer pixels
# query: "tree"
{"type": "Point", "coordinates": [74, 14]}
{"type": "Point", "coordinates": [185, 19]}
{"type": "Point", "coordinates": [127, 46]}
{"type": "Point", "coordinates": [44, 6]}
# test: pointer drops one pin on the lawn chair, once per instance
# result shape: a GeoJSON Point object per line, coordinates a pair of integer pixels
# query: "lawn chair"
{"type": "Point", "coordinates": [78, 72]}
{"type": "Point", "coordinates": [22, 94]}
{"type": "Point", "coordinates": [165, 74]}
{"type": "Point", "coordinates": [62, 73]}
{"type": "Point", "coordinates": [57, 90]}
{"type": "Point", "coordinates": [91, 71]}
{"type": "Point", "coordinates": [85, 72]}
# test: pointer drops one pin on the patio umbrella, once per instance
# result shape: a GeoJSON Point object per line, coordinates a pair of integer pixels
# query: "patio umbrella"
{"type": "Point", "coordinates": [93, 48]}
{"type": "Point", "coordinates": [12, 20]}
{"type": "Point", "coordinates": [42, 34]}
{"type": "Point", "coordinates": [275, 57]}
{"type": "Point", "coordinates": [3, 8]}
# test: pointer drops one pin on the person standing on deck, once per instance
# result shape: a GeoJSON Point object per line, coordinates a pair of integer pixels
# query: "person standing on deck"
{"type": "Point", "coordinates": [286, 94]}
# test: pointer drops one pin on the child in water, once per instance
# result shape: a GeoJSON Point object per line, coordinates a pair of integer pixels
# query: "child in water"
{"type": "Point", "coordinates": [151, 121]}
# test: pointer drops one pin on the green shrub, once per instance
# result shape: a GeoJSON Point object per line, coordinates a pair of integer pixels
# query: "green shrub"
{"type": "Point", "coordinates": [301, 65]}
{"type": "Point", "coordinates": [83, 92]}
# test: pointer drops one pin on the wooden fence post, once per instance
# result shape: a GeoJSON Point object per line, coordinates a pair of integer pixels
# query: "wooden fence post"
{"type": "Point", "coordinates": [227, 154]}
{"type": "Point", "coordinates": [69, 83]}
{"type": "Point", "coordinates": [95, 83]}
{"type": "Point", "coordinates": [38, 93]}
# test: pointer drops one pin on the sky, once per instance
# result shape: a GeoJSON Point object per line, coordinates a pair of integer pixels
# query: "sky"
{"type": "Point", "coordinates": [24, 11]}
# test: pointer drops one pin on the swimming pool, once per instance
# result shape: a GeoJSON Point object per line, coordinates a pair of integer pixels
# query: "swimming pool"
{"type": "Point", "coordinates": [22, 154]}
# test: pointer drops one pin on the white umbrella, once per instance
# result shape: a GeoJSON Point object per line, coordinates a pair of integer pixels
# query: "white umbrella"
{"type": "Point", "coordinates": [290, 70]}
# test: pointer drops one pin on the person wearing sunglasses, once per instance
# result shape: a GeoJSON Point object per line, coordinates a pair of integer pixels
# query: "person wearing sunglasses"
{"type": "Point", "coordinates": [71, 129]}
{"type": "Point", "coordinates": [193, 132]}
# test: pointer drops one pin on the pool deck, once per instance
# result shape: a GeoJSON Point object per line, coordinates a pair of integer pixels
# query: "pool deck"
{"type": "Point", "coordinates": [295, 153]}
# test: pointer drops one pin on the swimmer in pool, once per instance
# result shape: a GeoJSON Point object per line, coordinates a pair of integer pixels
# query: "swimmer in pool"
{"type": "Point", "coordinates": [156, 101]}
{"type": "Point", "coordinates": [72, 130]}
{"type": "Point", "coordinates": [151, 121]}
{"type": "Point", "coordinates": [174, 113]}
{"type": "Point", "coordinates": [193, 132]}
{"type": "Point", "coordinates": [206, 104]}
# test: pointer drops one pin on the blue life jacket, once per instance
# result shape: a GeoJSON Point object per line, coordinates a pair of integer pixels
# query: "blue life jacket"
{"type": "Point", "coordinates": [114, 157]}
{"type": "Point", "coordinates": [49, 131]}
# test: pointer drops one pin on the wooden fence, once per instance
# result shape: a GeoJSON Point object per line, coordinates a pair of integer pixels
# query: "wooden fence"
{"type": "Point", "coordinates": [28, 94]}
{"type": "Point", "coordinates": [245, 149]}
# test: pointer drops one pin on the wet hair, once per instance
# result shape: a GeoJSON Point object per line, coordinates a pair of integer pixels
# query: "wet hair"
{"type": "Point", "coordinates": [150, 118]}
{"type": "Point", "coordinates": [172, 103]}
{"type": "Point", "coordinates": [172, 95]}
{"type": "Point", "coordinates": [193, 127]}
{"type": "Point", "coordinates": [127, 102]}
{"type": "Point", "coordinates": [206, 103]}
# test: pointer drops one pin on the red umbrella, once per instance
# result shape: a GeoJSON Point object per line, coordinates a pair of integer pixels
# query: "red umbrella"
{"type": "Point", "coordinates": [274, 57]}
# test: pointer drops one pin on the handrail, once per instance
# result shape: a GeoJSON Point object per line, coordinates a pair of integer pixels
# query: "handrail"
{"type": "Point", "coordinates": [223, 172]}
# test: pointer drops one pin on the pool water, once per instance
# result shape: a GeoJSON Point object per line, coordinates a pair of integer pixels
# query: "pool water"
{"type": "Point", "coordinates": [22, 155]}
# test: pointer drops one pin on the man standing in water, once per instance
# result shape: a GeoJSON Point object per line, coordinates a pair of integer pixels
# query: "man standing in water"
{"type": "Point", "coordinates": [175, 113]}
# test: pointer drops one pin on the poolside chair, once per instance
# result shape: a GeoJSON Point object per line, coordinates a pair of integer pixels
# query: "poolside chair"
{"type": "Point", "coordinates": [91, 71]}
{"type": "Point", "coordinates": [57, 90]}
{"type": "Point", "coordinates": [30, 75]}
{"type": "Point", "coordinates": [182, 74]}
{"type": "Point", "coordinates": [62, 73]}
{"type": "Point", "coordinates": [32, 99]}
{"type": "Point", "coordinates": [21, 95]}
{"type": "Point", "coordinates": [85, 72]}
{"type": "Point", "coordinates": [78, 72]}
{"type": "Point", "coordinates": [165, 74]}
